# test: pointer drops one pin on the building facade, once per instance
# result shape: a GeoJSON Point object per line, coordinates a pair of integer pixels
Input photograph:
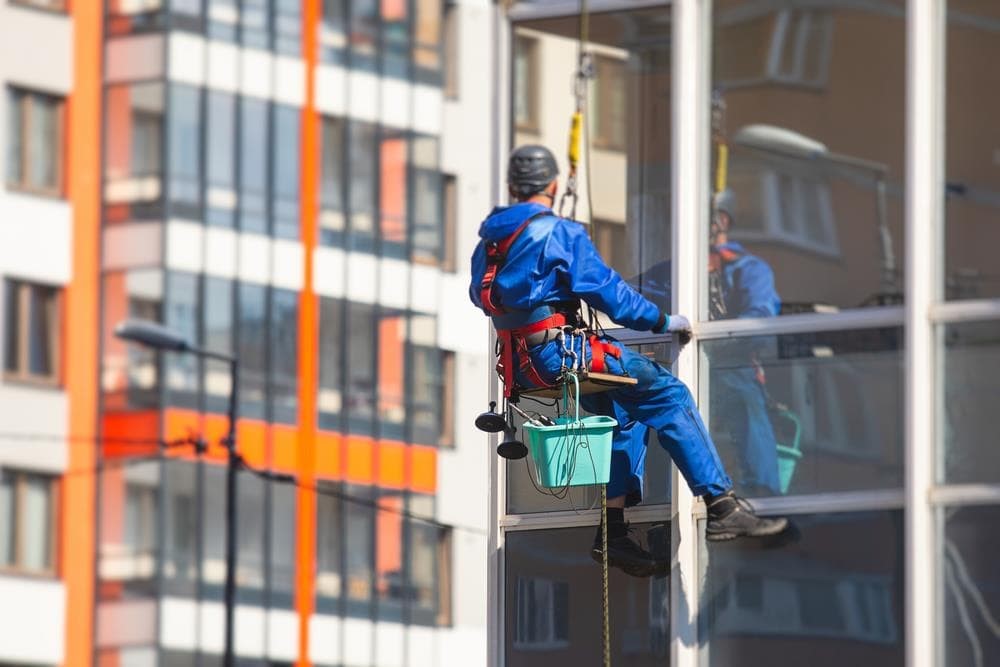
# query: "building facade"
{"type": "Point", "coordinates": [279, 181]}
{"type": "Point", "coordinates": [855, 146]}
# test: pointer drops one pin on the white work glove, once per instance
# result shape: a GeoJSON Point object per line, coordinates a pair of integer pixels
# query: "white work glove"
{"type": "Point", "coordinates": [677, 324]}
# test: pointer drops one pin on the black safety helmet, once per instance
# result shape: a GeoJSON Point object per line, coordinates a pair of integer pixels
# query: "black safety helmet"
{"type": "Point", "coordinates": [530, 169]}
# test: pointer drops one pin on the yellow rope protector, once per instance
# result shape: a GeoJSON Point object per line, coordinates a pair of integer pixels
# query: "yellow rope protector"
{"type": "Point", "coordinates": [575, 130]}
{"type": "Point", "coordinates": [722, 167]}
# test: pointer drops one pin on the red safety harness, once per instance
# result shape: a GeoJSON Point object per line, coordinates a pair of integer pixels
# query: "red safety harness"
{"type": "Point", "coordinates": [515, 340]}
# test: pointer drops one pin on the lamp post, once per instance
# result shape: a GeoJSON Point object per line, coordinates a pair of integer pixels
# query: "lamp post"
{"type": "Point", "coordinates": [158, 337]}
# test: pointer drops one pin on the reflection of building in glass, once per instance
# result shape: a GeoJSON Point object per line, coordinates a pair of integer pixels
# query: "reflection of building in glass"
{"type": "Point", "coordinates": [881, 415]}
{"type": "Point", "coordinates": [277, 180]}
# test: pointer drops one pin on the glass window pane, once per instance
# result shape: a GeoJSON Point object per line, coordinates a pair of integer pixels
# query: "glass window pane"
{"type": "Point", "coordinates": [253, 165]}
{"type": "Point", "coordinates": [808, 413]}
{"type": "Point", "coordinates": [220, 193]}
{"type": "Point", "coordinates": [250, 538]}
{"type": "Point", "coordinates": [185, 147]}
{"type": "Point", "coordinates": [213, 566]}
{"type": "Point", "coordinates": [391, 373]}
{"type": "Point", "coordinates": [393, 194]}
{"type": "Point", "coordinates": [971, 365]}
{"type": "Point", "coordinates": [255, 24]}
{"type": "Point", "coordinates": [181, 315]}
{"type": "Point", "coordinates": [363, 184]}
{"type": "Point", "coordinates": [553, 601]}
{"type": "Point", "coordinates": [284, 355]}
{"type": "Point", "coordinates": [364, 33]}
{"type": "Point", "coordinates": [333, 32]}
{"type": "Point", "coordinates": [971, 585]}
{"type": "Point", "coordinates": [359, 545]}
{"type": "Point", "coordinates": [395, 38]}
{"type": "Point", "coordinates": [288, 27]}
{"type": "Point", "coordinates": [15, 136]}
{"type": "Point", "coordinates": [180, 565]}
{"type": "Point", "coordinates": [390, 577]}
{"type": "Point", "coordinates": [329, 546]}
{"type": "Point", "coordinates": [223, 18]}
{"type": "Point", "coordinates": [44, 142]}
{"type": "Point", "coordinates": [12, 325]}
{"type": "Point", "coordinates": [252, 349]}
{"type": "Point", "coordinates": [282, 565]}
{"type": "Point", "coordinates": [972, 189]}
{"type": "Point", "coordinates": [285, 172]}
{"type": "Point", "coordinates": [35, 523]}
{"type": "Point", "coordinates": [130, 373]}
{"type": "Point", "coordinates": [811, 199]}
{"type": "Point", "coordinates": [7, 518]}
{"type": "Point", "coordinates": [217, 317]}
{"type": "Point", "coordinates": [333, 214]}
{"type": "Point", "coordinates": [429, 566]}
{"type": "Point", "coordinates": [834, 590]}
{"type": "Point", "coordinates": [427, 39]}
{"type": "Point", "coordinates": [360, 367]}
{"type": "Point", "coordinates": [133, 151]}
{"type": "Point", "coordinates": [331, 336]}
{"type": "Point", "coordinates": [428, 209]}
{"type": "Point", "coordinates": [630, 176]}
{"type": "Point", "coordinates": [43, 330]}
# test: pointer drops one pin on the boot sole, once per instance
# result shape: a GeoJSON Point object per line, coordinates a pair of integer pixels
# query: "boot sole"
{"type": "Point", "coordinates": [631, 568]}
{"type": "Point", "coordinates": [779, 527]}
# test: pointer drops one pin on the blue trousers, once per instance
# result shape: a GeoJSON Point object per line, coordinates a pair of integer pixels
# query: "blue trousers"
{"type": "Point", "coordinates": [659, 401]}
{"type": "Point", "coordinates": [740, 401]}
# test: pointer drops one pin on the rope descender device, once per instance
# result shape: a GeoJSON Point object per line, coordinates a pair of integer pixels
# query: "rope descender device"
{"type": "Point", "coordinates": [584, 72]}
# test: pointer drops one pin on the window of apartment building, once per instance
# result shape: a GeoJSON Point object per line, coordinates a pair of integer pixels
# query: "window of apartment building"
{"type": "Point", "coordinates": [181, 314]}
{"type": "Point", "coordinates": [284, 355]}
{"type": "Point", "coordinates": [542, 614]}
{"type": "Point", "coordinates": [35, 142]}
{"type": "Point", "coordinates": [428, 15]}
{"type": "Point", "coordinates": [393, 197]}
{"type": "Point", "coordinates": [135, 559]}
{"type": "Point", "coordinates": [184, 150]}
{"type": "Point", "coordinates": [252, 349]}
{"type": "Point", "coordinates": [391, 586]}
{"type": "Point", "coordinates": [332, 209]}
{"type": "Point", "coordinates": [432, 385]}
{"type": "Point", "coordinates": [361, 346]}
{"type": "Point", "coordinates": [250, 544]}
{"type": "Point", "coordinates": [428, 240]}
{"type": "Point", "coordinates": [451, 50]}
{"type": "Point", "coordinates": [526, 82]}
{"type": "Point", "coordinates": [288, 27]}
{"type": "Point", "coordinates": [220, 134]}
{"type": "Point", "coordinates": [33, 331]}
{"type": "Point", "coordinates": [363, 184]}
{"type": "Point", "coordinates": [129, 373]}
{"type": "Point", "coordinates": [223, 19]}
{"type": "Point", "coordinates": [285, 172]}
{"type": "Point", "coordinates": [333, 32]}
{"type": "Point", "coordinates": [428, 565]}
{"type": "Point", "coordinates": [281, 559]}
{"type": "Point", "coordinates": [395, 38]}
{"type": "Point", "coordinates": [450, 216]}
{"type": "Point", "coordinates": [27, 521]}
{"type": "Point", "coordinates": [253, 164]}
{"type": "Point", "coordinates": [329, 546]}
{"type": "Point", "coordinates": [364, 34]}
{"type": "Point", "coordinates": [255, 24]}
{"type": "Point", "coordinates": [133, 151]}
{"type": "Point", "coordinates": [330, 398]}
{"type": "Point", "coordinates": [217, 323]}
{"type": "Point", "coordinates": [609, 102]}
{"type": "Point", "coordinates": [180, 525]}
{"type": "Point", "coordinates": [391, 373]}
{"type": "Point", "coordinates": [359, 546]}
{"type": "Point", "coordinates": [611, 241]}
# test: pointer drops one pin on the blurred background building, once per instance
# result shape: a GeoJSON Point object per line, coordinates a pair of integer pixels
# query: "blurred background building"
{"type": "Point", "coordinates": [278, 180]}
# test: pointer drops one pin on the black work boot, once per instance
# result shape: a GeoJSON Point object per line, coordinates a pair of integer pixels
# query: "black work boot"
{"type": "Point", "coordinates": [625, 553]}
{"type": "Point", "coordinates": [730, 516]}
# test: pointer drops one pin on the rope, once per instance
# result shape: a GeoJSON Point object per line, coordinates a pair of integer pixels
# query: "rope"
{"type": "Point", "coordinates": [606, 636]}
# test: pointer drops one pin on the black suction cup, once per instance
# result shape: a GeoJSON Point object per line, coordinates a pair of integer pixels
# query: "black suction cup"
{"type": "Point", "coordinates": [511, 448]}
{"type": "Point", "coordinates": [490, 421]}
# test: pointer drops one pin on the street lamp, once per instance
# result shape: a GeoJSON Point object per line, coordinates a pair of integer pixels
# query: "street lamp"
{"type": "Point", "coordinates": [158, 337]}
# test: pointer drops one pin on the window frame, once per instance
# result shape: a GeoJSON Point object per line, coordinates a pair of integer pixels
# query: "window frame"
{"type": "Point", "coordinates": [22, 374]}
{"type": "Point", "coordinates": [20, 485]}
{"type": "Point", "coordinates": [27, 99]}
{"type": "Point", "coordinates": [529, 45]}
{"type": "Point", "coordinates": [604, 138]}
{"type": "Point", "coordinates": [50, 6]}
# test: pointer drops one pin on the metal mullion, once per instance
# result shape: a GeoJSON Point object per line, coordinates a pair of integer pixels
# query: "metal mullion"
{"type": "Point", "coordinates": [973, 310]}
{"type": "Point", "coordinates": [23, 330]}
{"type": "Point", "coordinates": [559, 8]}
{"type": "Point", "coordinates": [965, 494]}
{"type": "Point", "coordinates": [872, 318]}
{"type": "Point", "coordinates": [925, 22]}
{"type": "Point", "coordinates": [576, 519]}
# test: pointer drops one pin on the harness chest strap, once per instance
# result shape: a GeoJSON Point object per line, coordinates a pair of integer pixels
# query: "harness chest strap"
{"type": "Point", "coordinates": [496, 256]}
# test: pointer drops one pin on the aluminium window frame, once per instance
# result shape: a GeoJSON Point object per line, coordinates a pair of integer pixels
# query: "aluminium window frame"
{"type": "Point", "coordinates": [21, 290]}
{"type": "Point", "coordinates": [27, 99]}
{"type": "Point", "coordinates": [17, 567]}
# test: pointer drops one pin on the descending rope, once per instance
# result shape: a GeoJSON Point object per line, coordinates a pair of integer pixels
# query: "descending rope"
{"type": "Point", "coordinates": [606, 636]}
{"type": "Point", "coordinates": [584, 72]}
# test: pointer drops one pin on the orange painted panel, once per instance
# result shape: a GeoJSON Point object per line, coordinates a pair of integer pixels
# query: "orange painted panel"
{"type": "Point", "coordinates": [329, 455]}
{"type": "Point", "coordinates": [214, 429]}
{"type": "Point", "coordinates": [285, 448]}
{"type": "Point", "coordinates": [123, 432]}
{"type": "Point", "coordinates": [251, 441]}
{"type": "Point", "coordinates": [360, 459]}
{"type": "Point", "coordinates": [392, 464]}
{"type": "Point", "coordinates": [423, 469]}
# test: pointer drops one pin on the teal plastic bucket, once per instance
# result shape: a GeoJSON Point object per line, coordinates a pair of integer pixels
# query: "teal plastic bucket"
{"type": "Point", "coordinates": [572, 453]}
{"type": "Point", "coordinates": [788, 455]}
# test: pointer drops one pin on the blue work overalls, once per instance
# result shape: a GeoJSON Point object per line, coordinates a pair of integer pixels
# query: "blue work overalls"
{"type": "Point", "coordinates": [554, 262]}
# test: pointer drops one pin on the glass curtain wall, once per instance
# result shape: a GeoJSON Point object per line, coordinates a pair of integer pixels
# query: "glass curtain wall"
{"type": "Point", "coordinates": [801, 364]}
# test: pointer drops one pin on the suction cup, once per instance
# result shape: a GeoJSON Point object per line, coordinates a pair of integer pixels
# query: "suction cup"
{"type": "Point", "coordinates": [511, 448]}
{"type": "Point", "coordinates": [490, 421]}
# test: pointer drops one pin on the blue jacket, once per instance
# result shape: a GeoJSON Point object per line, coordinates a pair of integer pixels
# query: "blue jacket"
{"type": "Point", "coordinates": [748, 285]}
{"type": "Point", "coordinates": [553, 260]}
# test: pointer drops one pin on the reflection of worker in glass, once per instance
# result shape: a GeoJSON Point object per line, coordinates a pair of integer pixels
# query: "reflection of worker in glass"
{"type": "Point", "coordinates": [741, 285]}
